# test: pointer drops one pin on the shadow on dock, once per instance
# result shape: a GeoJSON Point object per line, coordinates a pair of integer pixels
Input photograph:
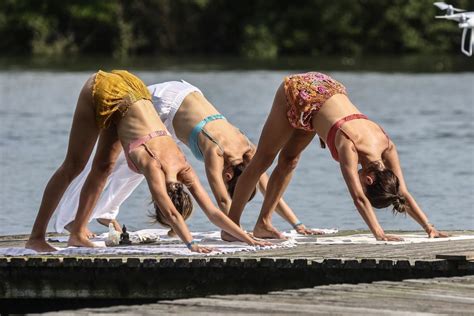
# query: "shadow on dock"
{"type": "Point", "coordinates": [35, 284]}
{"type": "Point", "coordinates": [48, 283]}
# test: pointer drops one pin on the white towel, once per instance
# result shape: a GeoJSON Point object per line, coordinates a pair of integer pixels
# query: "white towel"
{"type": "Point", "coordinates": [369, 239]}
{"type": "Point", "coordinates": [173, 246]}
{"type": "Point", "coordinates": [165, 245]}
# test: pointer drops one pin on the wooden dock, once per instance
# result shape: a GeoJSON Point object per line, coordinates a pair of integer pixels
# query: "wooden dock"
{"type": "Point", "coordinates": [446, 296]}
{"type": "Point", "coordinates": [81, 281]}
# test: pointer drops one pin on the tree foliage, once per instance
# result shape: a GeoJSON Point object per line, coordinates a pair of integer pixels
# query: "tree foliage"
{"type": "Point", "coordinates": [250, 28]}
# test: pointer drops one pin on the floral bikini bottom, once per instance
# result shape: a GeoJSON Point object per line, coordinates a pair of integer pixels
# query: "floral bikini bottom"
{"type": "Point", "coordinates": [306, 94]}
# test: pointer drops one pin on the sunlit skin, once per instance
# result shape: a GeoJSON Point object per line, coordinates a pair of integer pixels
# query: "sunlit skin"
{"type": "Point", "coordinates": [219, 164]}
{"type": "Point", "coordinates": [368, 144]}
{"type": "Point", "coordinates": [103, 221]}
{"type": "Point", "coordinates": [170, 166]}
{"type": "Point", "coordinates": [234, 148]}
{"type": "Point", "coordinates": [367, 179]}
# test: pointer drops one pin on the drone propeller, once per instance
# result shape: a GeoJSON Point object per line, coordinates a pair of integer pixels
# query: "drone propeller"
{"type": "Point", "coordinates": [448, 7]}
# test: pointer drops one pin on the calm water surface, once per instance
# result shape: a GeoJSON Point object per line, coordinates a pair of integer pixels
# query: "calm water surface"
{"type": "Point", "coordinates": [429, 116]}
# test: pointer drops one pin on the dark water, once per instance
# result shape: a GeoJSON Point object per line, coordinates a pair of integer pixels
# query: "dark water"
{"type": "Point", "coordinates": [382, 63]}
{"type": "Point", "coordinates": [429, 117]}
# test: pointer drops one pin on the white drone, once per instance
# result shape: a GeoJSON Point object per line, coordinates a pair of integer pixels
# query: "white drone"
{"type": "Point", "coordinates": [465, 20]}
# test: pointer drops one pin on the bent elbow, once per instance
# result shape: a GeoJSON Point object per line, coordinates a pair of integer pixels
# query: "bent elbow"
{"type": "Point", "coordinates": [214, 217]}
{"type": "Point", "coordinates": [404, 193]}
{"type": "Point", "coordinates": [361, 202]}
{"type": "Point", "coordinates": [171, 217]}
{"type": "Point", "coordinates": [224, 205]}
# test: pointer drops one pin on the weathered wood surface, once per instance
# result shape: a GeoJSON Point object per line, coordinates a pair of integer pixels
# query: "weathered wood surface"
{"type": "Point", "coordinates": [448, 296]}
{"type": "Point", "coordinates": [419, 251]}
{"type": "Point", "coordinates": [171, 277]}
{"type": "Point", "coordinates": [457, 256]}
{"type": "Point", "coordinates": [58, 280]}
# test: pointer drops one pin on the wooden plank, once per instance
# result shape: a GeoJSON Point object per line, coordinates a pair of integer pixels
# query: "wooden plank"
{"type": "Point", "coordinates": [421, 297]}
{"type": "Point", "coordinates": [466, 256]}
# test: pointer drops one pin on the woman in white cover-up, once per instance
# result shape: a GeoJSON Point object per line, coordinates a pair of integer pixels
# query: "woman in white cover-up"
{"type": "Point", "coordinates": [192, 119]}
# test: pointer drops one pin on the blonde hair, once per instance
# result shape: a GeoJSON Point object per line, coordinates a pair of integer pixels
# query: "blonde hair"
{"type": "Point", "coordinates": [180, 199]}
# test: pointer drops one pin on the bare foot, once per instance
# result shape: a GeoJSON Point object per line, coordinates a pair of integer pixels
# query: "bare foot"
{"type": "Point", "coordinates": [39, 245]}
{"type": "Point", "coordinates": [265, 232]}
{"type": "Point", "coordinates": [227, 237]}
{"type": "Point", "coordinates": [89, 234]}
{"type": "Point", "coordinates": [80, 240]}
{"type": "Point", "coordinates": [106, 222]}
{"type": "Point", "coordinates": [302, 230]}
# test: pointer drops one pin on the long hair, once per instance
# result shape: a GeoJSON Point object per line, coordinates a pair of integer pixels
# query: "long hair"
{"type": "Point", "coordinates": [180, 199]}
{"type": "Point", "coordinates": [238, 169]}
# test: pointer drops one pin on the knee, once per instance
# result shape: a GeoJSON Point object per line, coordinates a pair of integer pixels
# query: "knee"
{"type": "Point", "coordinates": [288, 162]}
{"type": "Point", "coordinates": [72, 167]}
{"type": "Point", "coordinates": [263, 161]}
{"type": "Point", "coordinates": [103, 168]}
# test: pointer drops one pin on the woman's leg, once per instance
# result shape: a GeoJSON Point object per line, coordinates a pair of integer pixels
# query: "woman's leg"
{"type": "Point", "coordinates": [108, 149]}
{"type": "Point", "coordinates": [84, 133]}
{"type": "Point", "coordinates": [279, 180]}
{"type": "Point", "coordinates": [121, 183]}
{"type": "Point", "coordinates": [66, 210]}
{"type": "Point", "coordinates": [70, 225]}
{"type": "Point", "coordinates": [276, 132]}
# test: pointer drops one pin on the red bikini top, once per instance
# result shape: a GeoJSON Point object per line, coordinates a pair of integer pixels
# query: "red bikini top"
{"type": "Point", "coordinates": [331, 138]}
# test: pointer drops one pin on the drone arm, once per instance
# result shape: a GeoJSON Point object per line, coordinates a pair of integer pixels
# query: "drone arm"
{"type": "Point", "coordinates": [463, 42]}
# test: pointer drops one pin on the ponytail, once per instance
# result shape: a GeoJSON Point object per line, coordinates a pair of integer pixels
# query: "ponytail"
{"type": "Point", "coordinates": [399, 204]}
{"type": "Point", "coordinates": [384, 191]}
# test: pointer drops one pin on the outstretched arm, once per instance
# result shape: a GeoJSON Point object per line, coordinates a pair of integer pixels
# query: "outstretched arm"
{"type": "Point", "coordinates": [214, 169]}
{"type": "Point", "coordinates": [215, 215]}
{"type": "Point", "coordinates": [348, 159]}
{"type": "Point", "coordinates": [393, 163]}
{"type": "Point", "coordinates": [156, 183]}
